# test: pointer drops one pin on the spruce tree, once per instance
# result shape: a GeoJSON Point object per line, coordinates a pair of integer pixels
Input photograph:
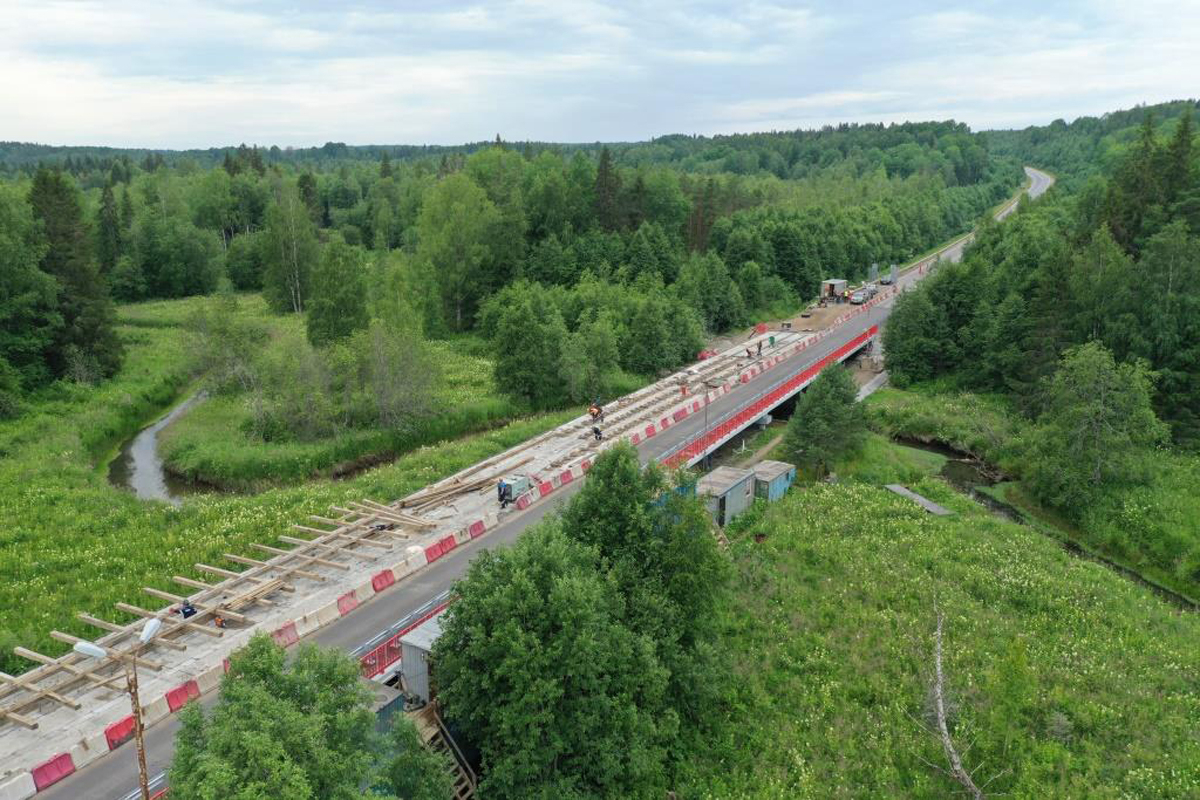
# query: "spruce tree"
{"type": "Point", "coordinates": [87, 345]}
{"type": "Point", "coordinates": [108, 231]}
{"type": "Point", "coordinates": [608, 190]}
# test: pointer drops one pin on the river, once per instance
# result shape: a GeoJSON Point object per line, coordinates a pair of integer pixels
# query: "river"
{"type": "Point", "coordinates": [139, 468]}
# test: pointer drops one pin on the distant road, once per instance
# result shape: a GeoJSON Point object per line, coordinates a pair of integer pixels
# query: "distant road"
{"type": "Point", "coordinates": [115, 775]}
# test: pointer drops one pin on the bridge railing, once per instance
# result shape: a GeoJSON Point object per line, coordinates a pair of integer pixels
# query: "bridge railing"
{"type": "Point", "coordinates": [718, 432]}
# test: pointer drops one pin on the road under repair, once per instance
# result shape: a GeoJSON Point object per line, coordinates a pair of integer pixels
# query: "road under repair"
{"type": "Point", "coordinates": [113, 774]}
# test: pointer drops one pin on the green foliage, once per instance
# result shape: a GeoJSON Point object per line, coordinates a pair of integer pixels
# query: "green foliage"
{"type": "Point", "coordinates": [244, 261]}
{"type": "Point", "coordinates": [290, 252]}
{"type": "Point", "coordinates": [1096, 427]}
{"type": "Point", "coordinates": [827, 424]}
{"type": "Point", "coordinates": [1065, 678]}
{"type": "Point", "coordinates": [413, 772]}
{"type": "Point", "coordinates": [454, 226]}
{"type": "Point", "coordinates": [536, 663]}
{"type": "Point", "coordinates": [86, 346]}
{"type": "Point", "coordinates": [299, 729]}
{"type": "Point", "coordinates": [29, 318]}
{"type": "Point", "coordinates": [338, 306]}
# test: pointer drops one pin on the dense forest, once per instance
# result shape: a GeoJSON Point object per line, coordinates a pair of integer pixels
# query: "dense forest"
{"type": "Point", "coordinates": [609, 262]}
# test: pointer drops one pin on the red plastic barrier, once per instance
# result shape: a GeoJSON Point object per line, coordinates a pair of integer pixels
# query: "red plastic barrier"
{"type": "Point", "coordinates": [637, 437]}
{"type": "Point", "coordinates": [448, 544]}
{"type": "Point", "coordinates": [53, 771]}
{"type": "Point", "coordinates": [160, 794]}
{"type": "Point", "coordinates": [586, 464]}
{"type": "Point", "coordinates": [650, 431]}
{"type": "Point", "coordinates": [119, 732]}
{"type": "Point", "coordinates": [702, 443]}
{"type": "Point", "coordinates": [476, 529]}
{"type": "Point", "coordinates": [566, 477]}
{"type": "Point", "coordinates": [384, 579]}
{"type": "Point", "coordinates": [433, 552]}
{"type": "Point", "coordinates": [347, 603]}
{"type": "Point", "coordinates": [696, 406]}
{"type": "Point", "coordinates": [760, 327]}
{"type": "Point", "coordinates": [524, 501]}
{"type": "Point", "coordinates": [225, 664]}
{"type": "Point", "coordinates": [545, 488]}
{"type": "Point", "coordinates": [680, 414]}
{"type": "Point", "coordinates": [664, 423]}
{"type": "Point", "coordinates": [178, 697]}
{"type": "Point", "coordinates": [384, 655]}
{"type": "Point", "coordinates": [286, 636]}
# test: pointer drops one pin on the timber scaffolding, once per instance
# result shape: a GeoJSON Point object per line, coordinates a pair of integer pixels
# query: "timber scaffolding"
{"type": "Point", "coordinates": [74, 707]}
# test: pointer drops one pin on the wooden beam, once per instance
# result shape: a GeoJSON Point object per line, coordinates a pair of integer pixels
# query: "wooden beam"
{"type": "Point", "coordinates": [353, 539]}
{"type": "Point", "coordinates": [334, 549]}
{"type": "Point", "coordinates": [84, 674]}
{"type": "Point", "coordinates": [19, 718]}
{"type": "Point", "coordinates": [113, 653]}
{"type": "Point", "coordinates": [108, 626]}
{"type": "Point", "coordinates": [202, 609]}
{"type": "Point", "coordinates": [189, 582]}
{"type": "Point", "coordinates": [228, 573]}
{"type": "Point", "coordinates": [171, 624]}
{"type": "Point", "coordinates": [23, 682]}
{"type": "Point", "coordinates": [314, 559]}
{"type": "Point", "coordinates": [254, 562]}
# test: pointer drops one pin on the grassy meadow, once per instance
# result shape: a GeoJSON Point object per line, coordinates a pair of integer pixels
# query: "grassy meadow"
{"type": "Point", "coordinates": [1065, 679]}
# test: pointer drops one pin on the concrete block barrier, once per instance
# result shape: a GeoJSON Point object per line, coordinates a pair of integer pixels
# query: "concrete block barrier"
{"type": "Point", "coordinates": [210, 679]}
{"type": "Point", "coordinates": [17, 787]}
{"type": "Point", "coordinates": [155, 711]}
{"type": "Point", "coordinates": [284, 636]}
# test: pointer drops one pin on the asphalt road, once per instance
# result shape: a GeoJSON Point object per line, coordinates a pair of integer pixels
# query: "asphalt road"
{"type": "Point", "coordinates": [115, 775]}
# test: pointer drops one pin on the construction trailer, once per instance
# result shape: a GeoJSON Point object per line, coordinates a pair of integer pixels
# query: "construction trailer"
{"type": "Point", "coordinates": [415, 649]}
{"type": "Point", "coordinates": [772, 479]}
{"type": "Point", "coordinates": [834, 288]}
{"type": "Point", "coordinates": [727, 492]}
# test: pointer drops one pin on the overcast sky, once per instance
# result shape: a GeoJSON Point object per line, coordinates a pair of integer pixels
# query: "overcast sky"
{"type": "Point", "coordinates": [192, 74]}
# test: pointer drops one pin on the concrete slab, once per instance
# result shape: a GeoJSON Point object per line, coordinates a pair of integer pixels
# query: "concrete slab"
{"type": "Point", "coordinates": [928, 505]}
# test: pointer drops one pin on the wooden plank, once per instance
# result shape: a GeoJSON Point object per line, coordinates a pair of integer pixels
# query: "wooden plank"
{"type": "Point", "coordinates": [254, 562]}
{"type": "Point", "coordinates": [113, 653]}
{"type": "Point", "coordinates": [108, 626]}
{"type": "Point", "coordinates": [110, 682]}
{"type": "Point", "coordinates": [25, 684]}
{"type": "Point", "coordinates": [334, 549]}
{"type": "Point", "coordinates": [313, 559]}
{"type": "Point", "coordinates": [192, 583]}
{"type": "Point", "coordinates": [19, 718]}
{"type": "Point", "coordinates": [228, 573]}
{"type": "Point", "coordinates": [352, 539]}
{"type": "Point", "coordinates": [928, 505]}
{"type": "Point", "coordinates": [202, 609]}
{"type": "Point", "coordinates": [171, 624]}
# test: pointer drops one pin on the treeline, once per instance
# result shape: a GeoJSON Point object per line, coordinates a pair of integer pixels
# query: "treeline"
{"type": "Point", "coordinates": [1089, 145]}
{"type": "Point", "coordinates": [1085, 309]}
{"type": "Point", "coordinates": [636, 261]}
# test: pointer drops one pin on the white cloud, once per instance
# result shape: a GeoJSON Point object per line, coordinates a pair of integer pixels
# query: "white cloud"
{"type": "Point", "coordinates": [190, 73]}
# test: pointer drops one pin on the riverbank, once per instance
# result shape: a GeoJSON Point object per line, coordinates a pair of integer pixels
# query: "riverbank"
{"type": "Point", "coordinates": [1151, 530]}
{"type": "Point", "coordinates": [71, 542]}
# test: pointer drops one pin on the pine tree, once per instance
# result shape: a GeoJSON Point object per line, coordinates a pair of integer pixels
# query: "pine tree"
{"type": "Point", "coordinates": [385, 166]}
{"type": "Point", "coordinates": [87, 345]}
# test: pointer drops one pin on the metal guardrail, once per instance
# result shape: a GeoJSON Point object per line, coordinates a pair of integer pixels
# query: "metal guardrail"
{"type": "Point", "coordinates": [383, 650]}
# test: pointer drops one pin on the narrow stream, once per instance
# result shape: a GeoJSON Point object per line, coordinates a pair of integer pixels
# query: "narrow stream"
{"type": "Point", "coordinates": [967, 474]}
{"type": "Point", "coordinates": [139, 468]}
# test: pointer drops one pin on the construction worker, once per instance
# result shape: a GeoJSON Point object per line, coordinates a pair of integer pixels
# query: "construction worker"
{"type": "Point", "coordinates": [503, 493]}
{"type": "Point", "coordinates": [748, 353]}
{"type": "Point", "coordinates": [596, 432]}
{"type": "Point", "coordinates": [218, 620]}
{"type": "Point", "coordinates": [187, 609]}
{"type": "Point", "coordinates": [760, 347]}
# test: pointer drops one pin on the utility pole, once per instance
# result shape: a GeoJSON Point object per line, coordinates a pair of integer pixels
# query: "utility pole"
{"type": "Point", "coordinates": [149, 631]}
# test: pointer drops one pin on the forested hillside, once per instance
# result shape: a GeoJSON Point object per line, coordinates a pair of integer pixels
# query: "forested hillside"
{"type": "Point", "coordinates": [1084, 313]}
